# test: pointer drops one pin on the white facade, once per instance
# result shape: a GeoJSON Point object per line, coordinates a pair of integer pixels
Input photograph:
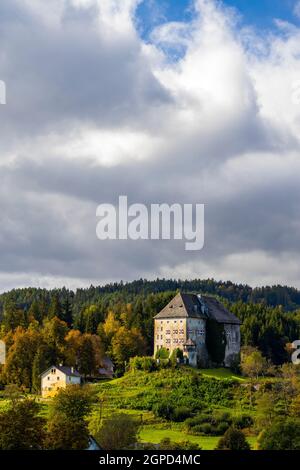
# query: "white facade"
{"type": "Point", "coordinates": [56, 378]}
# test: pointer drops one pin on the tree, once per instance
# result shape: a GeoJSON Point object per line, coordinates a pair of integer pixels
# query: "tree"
{"type": "Point", "coordinates": [265, 409]}
{"type": "Point", "coordinates": [281, 435]}
{"type": "Point", "coordinates": [87, 362]}
{"type": "Point", "coordinates": [54, 332]}
{"type": "Point", "coordinates": [126, 344]}
{"type": "Point", "coordinates": [20, 357]}
{"type": "Point", "coordinates": [118, 432]}
{"type": "Point", "coordinates": [67, 314]}
{"type": "Point", "coordinates": [233, 439]}
{"type": "Point", "coordinates": [67, 429]}
{"type": "Point", "coordinates": [74, 402]}
{"type": "Point", "coordinates": [40, 364]}
{"type": "Point", "coordinates": [253, 364]}
{"type": "Point", "coordinates": [13, 316]}
{"type": "Point", "coordinates": [55, 309]}
{"type": "Point", "coordinates": [66, 434]}
{"type": "Point", "coordinates": [21, 427]}
{"type": "Point", "coordinates": [72, 347]}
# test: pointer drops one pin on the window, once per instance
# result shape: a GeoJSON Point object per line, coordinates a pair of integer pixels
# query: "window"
{"type": "Point", "coordinates": [161, 336]}
{"type": "Point", "coordinates": [168, 341]}
{"type": "Point", "coordinates": [57, 378]}
{"type": "Point", "coordinates": [181, 332]}
{"type": "Point", "coordinates": [168, 332]}
{"type": "Point", "coordinates": [175, 332]}
{"type": "Point", "coordinates": [48, 377]}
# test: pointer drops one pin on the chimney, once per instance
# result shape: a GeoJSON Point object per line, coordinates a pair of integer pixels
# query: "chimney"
{"type": "Point", "coordinates": [72, 370]}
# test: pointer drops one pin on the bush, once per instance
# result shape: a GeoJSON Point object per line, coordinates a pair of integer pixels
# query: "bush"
{"type": "Point", "coordinates": [206, 428]}
{"type": "Point", "coordinates": [162, 353]}
{"type": "Point", "coordinates": [233, 439]}
{"type": "Point", "coordinates": [180, 414]}
{"type": "Point", "coordinates": [146, 363]}
{"type": "Point", "coordinates": [243, 421]}
{"type": "Point", "coordinates": [281, 435]}
{"type": "Point", "coordinates": [222, 428]}
{"type": "Point", "coordinates": [167, 444]}
{"type": "Point", "coordinates": [118, 432]}
{"type": "Point", "coordinates": [163, 410]}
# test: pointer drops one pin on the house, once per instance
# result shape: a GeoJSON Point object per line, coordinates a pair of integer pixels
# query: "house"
{"type": "Point", "coordinates": [107, 368]}
{"type": "Point", "coordinates": [192, 323]}
{"type": "Point", "coordinates": [57, 377]}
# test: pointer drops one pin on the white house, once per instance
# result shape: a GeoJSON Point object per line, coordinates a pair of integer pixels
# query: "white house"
{"type": "Point", "coordinates": [57, 377]}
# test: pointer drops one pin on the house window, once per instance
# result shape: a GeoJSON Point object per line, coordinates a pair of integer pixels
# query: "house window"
{"type": "Point", "coordinates": [57, 378]}
{"type": "Point", "coordinates": [48, 378]}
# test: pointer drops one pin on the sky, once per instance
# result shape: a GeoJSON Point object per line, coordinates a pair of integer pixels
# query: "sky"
{"type": "Point", "coordinates": [163, 101]}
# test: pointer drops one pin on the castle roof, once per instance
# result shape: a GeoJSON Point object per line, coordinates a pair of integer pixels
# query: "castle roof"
{"type": "Point", "coordinates": [197, 306]}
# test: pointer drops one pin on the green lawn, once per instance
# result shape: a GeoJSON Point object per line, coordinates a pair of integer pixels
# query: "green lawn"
{"type": "Point", "coordinates": [221, 374]}
{"type": "Point", "coordinates": [153, 435]}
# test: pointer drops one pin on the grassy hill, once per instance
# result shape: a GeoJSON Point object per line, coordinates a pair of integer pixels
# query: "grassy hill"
{"type": "Point", "coordinates": [215, 395]}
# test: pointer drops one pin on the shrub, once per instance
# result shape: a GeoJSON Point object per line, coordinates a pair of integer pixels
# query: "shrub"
{"type": "Point", "coordinates": [281, 435]}
{"type": "Point", "coordinates": [243, 421]}
{"type": "Point", "coordinates": [119, 431]}
{"type": "Point", "coordinates": [180, 414]}
{"type": "Point", "coordinates": [146, 363]}
{"type": "Point", "coordinates": [163, 410]}
{"type": "Point", "coordinates": [222, 428]}
{"type": "Point", "coordinates": [233, 439]}
{"type": "Point", "coordinates": [206, 428]}
{"type": "Point", "coordinates": [162, 353]}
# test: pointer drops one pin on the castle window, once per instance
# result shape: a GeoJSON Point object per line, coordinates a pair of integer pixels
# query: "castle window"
{"type": "Point", "coordinates": [168, 332]}
{"type": "Point", "coordinates": [175, 332]}
{"type": "Point", "coordinates": [168, 341]}
{"type": "Point", "coordinates": [181, 332]}
{"type": "Point", "coordinates": [175, 340]}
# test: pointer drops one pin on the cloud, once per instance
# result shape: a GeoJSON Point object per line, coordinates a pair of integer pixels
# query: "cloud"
{"type": "Point", "coordinates": [204, 113]}
{"type": "Point", "coordinates": [297, 9]}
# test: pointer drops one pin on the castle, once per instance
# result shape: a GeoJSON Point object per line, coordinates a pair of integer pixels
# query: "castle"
{"type": "Point", "coordinates": [201, 327]}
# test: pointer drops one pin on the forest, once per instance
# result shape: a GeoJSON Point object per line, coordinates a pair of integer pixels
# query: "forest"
{"type": "Point", "coordinates": [42, 327]}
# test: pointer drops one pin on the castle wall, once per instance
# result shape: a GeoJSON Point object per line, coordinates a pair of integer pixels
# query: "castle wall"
{"type": "Point", "coordinates": [233, 343]}
{"type": "Point", "coordinates": [170, 334]}
{"type": "Point", "coordinates": [196, 331]}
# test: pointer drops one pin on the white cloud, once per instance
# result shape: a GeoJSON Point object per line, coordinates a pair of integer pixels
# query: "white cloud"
{"type": "Point", "coordinates": [297, 9]}
{"type": "Point", "coordinates": [94, 112]}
